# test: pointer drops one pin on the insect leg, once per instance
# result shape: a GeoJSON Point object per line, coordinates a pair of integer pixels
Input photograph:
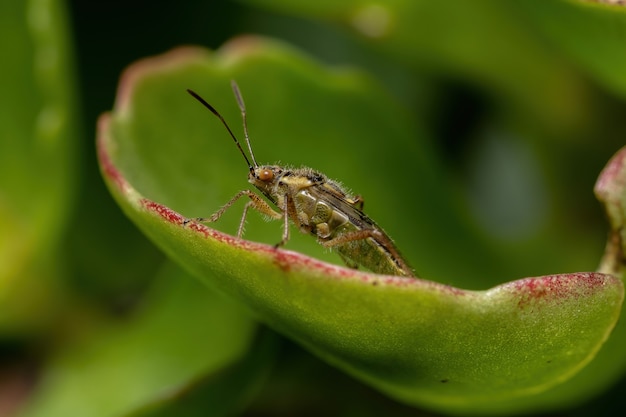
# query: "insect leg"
{"type": "Point", "coordinates": [285, 216]}
{"type": "Point", "coordinates": [255, 202]}
{"type": "Point", "coordinates": [359, 202]}
{"type": "Point", "coordinates": [352, 236]}
{"type": "Point", "coordinates": [380, 238]}
{"type": "Point", "coordinates": [242, 222]}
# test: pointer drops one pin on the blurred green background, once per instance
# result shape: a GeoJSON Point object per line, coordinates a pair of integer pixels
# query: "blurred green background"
{"type": "Point", "coordinates": [532, 91]}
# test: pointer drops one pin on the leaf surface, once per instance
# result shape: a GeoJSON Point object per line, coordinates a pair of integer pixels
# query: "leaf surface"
{"type": "Point", "coordinates": [165, 159]}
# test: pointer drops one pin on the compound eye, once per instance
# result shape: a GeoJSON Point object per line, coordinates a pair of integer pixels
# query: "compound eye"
{"type": "Point", "coordinates": [266, 175]}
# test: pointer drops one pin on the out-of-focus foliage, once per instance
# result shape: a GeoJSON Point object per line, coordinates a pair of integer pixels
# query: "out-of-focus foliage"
{"type": "Point", "coordinates": [38, 140]}
{"type": "Point", "coordinates": [517, 107]}
{"type": "Point", "coordinates": [496, 341]}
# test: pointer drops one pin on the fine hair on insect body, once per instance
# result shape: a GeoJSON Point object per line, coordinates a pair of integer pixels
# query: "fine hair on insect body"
{"type": "Point", "coordinates": [316, 204]}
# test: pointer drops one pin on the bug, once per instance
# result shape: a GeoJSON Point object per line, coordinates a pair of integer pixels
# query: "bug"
{"type": "Point", "coordinates": [316, 204]}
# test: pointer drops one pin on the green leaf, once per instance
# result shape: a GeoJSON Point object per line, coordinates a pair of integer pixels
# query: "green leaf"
{"type": "Point", "coordinates": [165, 158]}
{"type": "Point", "coordinates": [609, 365]}
{"type": "Point", "coordinates": [38, 131]}
{"type": "Point", "coordinates": [184, 342]}
{"type": "Point", "coordinates": [611, 191]}
{"type": "Point", "coordinates": [592, 33]}
{"type": "Point", "coordinates": [484, 43]}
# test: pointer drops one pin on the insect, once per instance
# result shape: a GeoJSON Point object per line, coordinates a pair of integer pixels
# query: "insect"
{"type": "Point", "coordinates": [316, 204]}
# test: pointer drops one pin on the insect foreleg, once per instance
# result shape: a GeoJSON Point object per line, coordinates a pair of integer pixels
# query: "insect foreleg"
{"type": "Point", "coordinates": [255, 202]}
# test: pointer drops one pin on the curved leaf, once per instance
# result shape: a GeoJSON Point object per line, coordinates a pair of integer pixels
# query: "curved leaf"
{"type": "Point", "coordinates": [461, 42]}
{"type": "Point", "coordinates": [594, 34]}
{"type": "Point", "coordinates": [419, 341]}
{"type": "Point", "coordinates": [38, 139]}
{"type": "Point", "coordinates": [183, 340]}
{"type": "Point", "coordinates": [610, 363]}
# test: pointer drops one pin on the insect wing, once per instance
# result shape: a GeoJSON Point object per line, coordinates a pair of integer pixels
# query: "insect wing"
{"type": "Point", "coordinates": [377, 254]}
{"type": "Point", "coordinates": [331, 195]}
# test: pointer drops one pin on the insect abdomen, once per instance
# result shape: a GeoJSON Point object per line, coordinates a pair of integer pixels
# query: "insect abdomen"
{"type": "Point", "coordinates": [323, 221]}
{"type": "Point", "coordinates": [317, 217]}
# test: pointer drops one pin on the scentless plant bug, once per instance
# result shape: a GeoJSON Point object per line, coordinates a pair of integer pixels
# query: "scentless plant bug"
{"type": "Point", "coordinates": [316, 204]}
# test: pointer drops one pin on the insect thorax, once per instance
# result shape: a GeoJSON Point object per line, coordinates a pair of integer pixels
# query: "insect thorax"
{"type": "Point", "coordinates": [304, 188]}
{"type": "Point", "coordinates": [277, 182]}
{"type": "Point", "coordinates": [317, 205]}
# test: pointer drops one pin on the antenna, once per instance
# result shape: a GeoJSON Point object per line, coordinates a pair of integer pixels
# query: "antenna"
{"type": "Point", "coordinates": [232, 135]}
{"type": "Point", "coordinates": [242, 107]}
